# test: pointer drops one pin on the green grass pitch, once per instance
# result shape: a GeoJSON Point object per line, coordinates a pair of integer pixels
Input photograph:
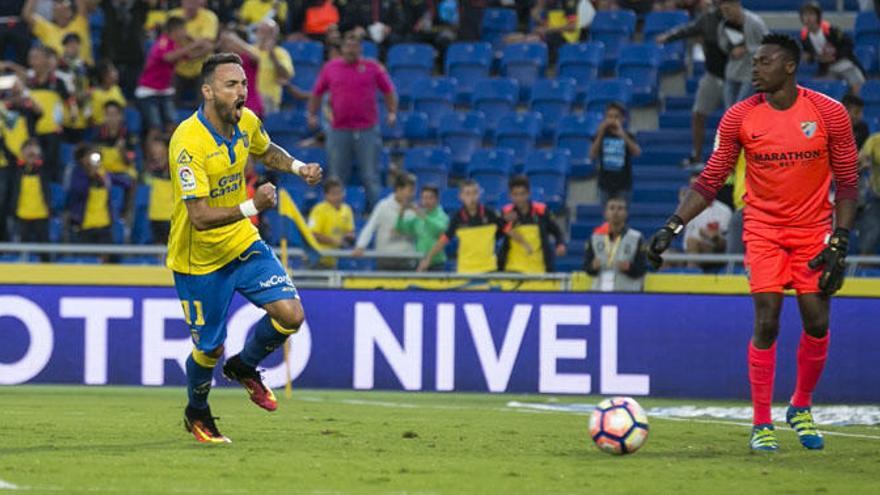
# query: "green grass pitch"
{"type": "Point", "coordinates": [131, 440]}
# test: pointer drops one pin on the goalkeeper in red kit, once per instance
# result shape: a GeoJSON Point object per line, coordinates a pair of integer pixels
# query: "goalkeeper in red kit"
{"type": "Point", "coordinates": [796, 142]}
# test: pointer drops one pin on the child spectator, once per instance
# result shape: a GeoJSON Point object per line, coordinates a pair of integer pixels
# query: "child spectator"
{"type": "Point", "coordinates": [64, 21]}
{"type": "Point", "coordinates": [275, 66]}
{"type": "Point", "coordinates": [90, 197]}
{"type": "Point", "coordinates": [830, 47]}
{"type": "Point", "coordinates": [425, 222]}
{"type": "Point", "coordinates": [51, 95]}
{"type": "Point", "coordinates": [382, 223]}
{"type": "Point", "coordinates": [32, 201]}
{"type": "Point", "coordinates": [155, 90]}
{"type": "Point", "coordinates": [477, 228]}
{"type": "Point", "coordinates": [535, 223]}
{"type": "Point", "coordinates": [117, 148]}
{"type": "Point", "coordinates": [332, 221]}
{"type": "Point", "coordinates": [615, 255]}
{"type": "Point", "coordinates": [75, 73]}
{"type": "Point", "coordinates": [612, 150]}
{"type": "Point", "coordinates": [107, 90]}
{"type": "Point", "coordinates": [159, 180]}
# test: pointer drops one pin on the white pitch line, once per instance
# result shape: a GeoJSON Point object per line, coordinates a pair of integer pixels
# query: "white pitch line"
{"type": "Point", "coordinates": [542, 409]}
{"type": "Point", "coordinates": [5, 485]}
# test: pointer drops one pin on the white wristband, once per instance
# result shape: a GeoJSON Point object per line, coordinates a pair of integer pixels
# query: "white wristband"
{"type": "Point", "coordinates": [249, 209]}
{"type": "Point", "coordinates": [296, 166]}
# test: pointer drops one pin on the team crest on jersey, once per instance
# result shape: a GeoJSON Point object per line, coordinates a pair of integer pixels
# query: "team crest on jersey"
{"type": "Point", "coordinates": [184, 158]}
{"type": "Point", "coordinates": [809, 128]}
{"type": "Point", "coordinates": [187, 179]}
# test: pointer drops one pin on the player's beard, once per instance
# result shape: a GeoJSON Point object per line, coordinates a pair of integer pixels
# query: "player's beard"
{"type": "Point", "coordinates": [230, 114]}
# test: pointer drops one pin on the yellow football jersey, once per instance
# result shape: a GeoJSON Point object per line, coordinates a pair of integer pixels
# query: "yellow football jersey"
{"type": "Point", "coordinates": [205, 164]}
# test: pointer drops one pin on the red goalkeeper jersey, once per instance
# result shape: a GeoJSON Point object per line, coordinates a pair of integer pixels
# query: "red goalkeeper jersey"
{"type": "Point", "coordinates": [791, 156]}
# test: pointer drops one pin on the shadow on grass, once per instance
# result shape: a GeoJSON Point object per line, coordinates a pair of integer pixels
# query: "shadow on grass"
{"type": "Point", "coordinates": [90, 448]}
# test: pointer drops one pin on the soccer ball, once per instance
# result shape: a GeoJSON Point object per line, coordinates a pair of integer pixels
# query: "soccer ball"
{"type": "Point", "coordinates": [619, 426]}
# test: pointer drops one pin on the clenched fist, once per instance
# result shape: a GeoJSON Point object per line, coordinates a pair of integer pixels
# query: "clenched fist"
{"type": "Point", "coordinates": [311, 173]}
{"type": "Point", "coordinates": [265, 197]}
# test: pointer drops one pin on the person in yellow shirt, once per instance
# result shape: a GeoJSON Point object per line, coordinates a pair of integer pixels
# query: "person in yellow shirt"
{"type": "Point", "coordinates": [18, 116]}
{"type": "Point", "coordinates": [869, 218]}
{"type": "Point", "coordinates": [75, 74]}
{"type": "Point", "coordinates": [275, 66]}
{"type": "Point", "coordinates": [213, 248]}
{"type": "Point", "coordinates": [117, 147]}
{"type": "Point", "coordinates": [203, 27]}
{"type": "Point", "coordinates": [332, 221]}
{"type": "Point", "coordinates": [64, 21]}
{"type": "Point", "coordinates": [89, 200]}
{"type": "Point", "coordinates": [159, 180]}
{"type": "Point", "coordinates": [106, 90]}
{"type": "Point", "coordinates": [32, 196]}
{"type": "Point", "coordinates": [254, 11]}
{"type": "Point", "coordinates": [54, 100]}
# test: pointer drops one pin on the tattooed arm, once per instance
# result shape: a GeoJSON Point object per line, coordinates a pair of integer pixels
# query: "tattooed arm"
{"type": "Point", "coordinates": [277, 158]}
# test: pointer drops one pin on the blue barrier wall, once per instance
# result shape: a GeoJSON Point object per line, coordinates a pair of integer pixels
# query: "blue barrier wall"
{"type": "Point", "coordinates": [663, 345]}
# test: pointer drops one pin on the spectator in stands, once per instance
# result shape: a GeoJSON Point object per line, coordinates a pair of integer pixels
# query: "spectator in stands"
{"type": "Point", "coordinates": [18, 116]}
{"type": "Point", "coordinates": [382, 223]}
{"type": "Point", "coordinates": [536, 224]}
{"type": "Point", "coordinates": [122, 41]}
{"type": "Point", "coordinates": [31, 198]}
{"type": "Point", "coordinates": [855, 107]}
{"type": "Point", "coordinates": [107, 89]}
{"type": "Point", "coordinates": [354, 132]}
{"type": "Point", "coordinates": [14, 31]}
{"type": "Point", "coordinates": [477, 228]}
{"type": "Point", "coordinates": [155, 90]}
{"type": "Point", "coordinates": [710, 91]}
{"type": "Point", "coordinates": [89, 197]}
{"type": "Point", "coordinates": [830, 47]}
{"type": "Point", "coordinates": [117, 148]}
{"type": "Point", "coordinates": [319, 17]}
{"type": "Point", "coordinates": [332, 221]}
{"type": "Point", "coordinates": [555, 22]}
{"type": "Point", "coordinates": [275, 66]}
{"type": "Point", "coordinates": [615, 255]}
{"type": "Point", "coordinates": [869, 221]}
{"type": "Point", "coordinates": [254, 11]}
{"type": "Point", "coordinates": [64, 21]}
{"type": "Point", "coordinates": [739, 36]}
{"type": "Point", "coordinates": [734, 240]}
{"type": "Point", "coordinates": [426, 222]}
{"type": "Point", "coordinates": [612, 150]}
{"type": "Point", "coordinates": [373, 19]}
{"type": "Point", "coordinates": [427, 22]}
{"type": "Point", "coordinates": [159, 180]}
{"type": "Point", "coordinates": [52, 96]}
{"type": "Point", "coordinates": [226, 10]}
{"type": "Point", "coordinates": [75, 74]}
{"type": "Point", "coordinates": [707, 232]}
{"type": "Point", "coordinates": [234, 41]}
{"type": "Point", "coordinates": [202, 27]}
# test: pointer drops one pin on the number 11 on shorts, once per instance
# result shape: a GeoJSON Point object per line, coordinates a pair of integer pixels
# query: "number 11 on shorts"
{"type": "Point", "coordinates": [187, 312]}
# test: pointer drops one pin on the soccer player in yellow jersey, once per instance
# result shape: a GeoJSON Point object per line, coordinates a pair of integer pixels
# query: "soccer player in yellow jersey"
{"type": "Point", "coordinates": [214, 249]}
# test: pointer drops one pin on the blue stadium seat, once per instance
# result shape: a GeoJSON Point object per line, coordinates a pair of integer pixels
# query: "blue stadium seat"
{"type": "Point", "coordinates": [601, 92]}
{"type": "Point", "coordinates": [411, 60]}
{"type": "Point", "coordinates": [549, 160]}
{"type": "Point", "coordinates": [518, 132]}
{"type": "Point", "coordinates": [449, 200]}
{"type": "Point", "coordinates": [674, 52]}
{"type": "Point", "coordinates": [429, 164]}
{"type": "Point", "coordinates": [834, 89]}
{"type": "Point", "coordinates": [640, 64]}
{"type": "Point", "coordinates": [133, 120]}
{"type": "Point", "coordinates": [867, 29]}
{"type": "Point", "coordinates": [588, 213]}
{"type": "Point", "coordinates": [308, 57]}
{"type": "Point", "coordinates": [183, 114]}
{"type": "Point", "coordinates": [655, 192]}
{"type": "Point", "coordinates": [468, 62]}
{"type": "Point", "coordinates": [524, 62]}
{"type": "Point", "coordinates": [462, 133]}
{"type": "Point", "coordinates": [407, 88]}
{"type": "Point", "coordinates": [491, 168]}
{"type": "Point", "coordinates": [369, 49]}
{"type": "Point", "coordinates": [495, 97]}
{"type": "Point", "coordinates": [496, 24]}
{"type": "Point", "coordinates": [575, 134]}
{"type": "Point", "coordinates": [552, 99]}
{"type": "Point", "coordinates": [581, 62]}
{"type": "Point", "coordinates": [414, 126]}
{"type": "Point", "coordinates": [356, 197]}
{"type": "Point", "coordinates": [614, 29]}
{"type": "Point", "coordinates": [547, 171]}
{"type": "Point", "coordinates": [289, 123]}
{"type": "Point", "coordinates": [436, 98]}
{"type": "Point", "coordinates": [57, 197]}
{"type": "Point", "coordinates": [117, 200]}
{"type": "Point", "coordinates": [56, 229]}
{"type": "Point", "coordinates": [870, 92]}
{"type": "Point", "coordinates": [867, 56]}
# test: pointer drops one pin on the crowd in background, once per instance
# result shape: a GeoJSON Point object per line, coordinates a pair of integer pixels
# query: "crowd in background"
{"type": "Point", "coordinates": [63, 86]}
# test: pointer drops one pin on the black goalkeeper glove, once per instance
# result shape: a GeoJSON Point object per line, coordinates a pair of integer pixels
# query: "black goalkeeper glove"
{"type": "Point", "coordinates": [661, 240]}
{"type": "Point", "coordinates": [833, 258]}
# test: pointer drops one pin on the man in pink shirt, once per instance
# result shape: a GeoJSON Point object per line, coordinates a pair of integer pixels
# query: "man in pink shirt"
{"type": "Point", "coordinates": [354, 132]}
{"type": "Point", "coordinates": [155, 89]}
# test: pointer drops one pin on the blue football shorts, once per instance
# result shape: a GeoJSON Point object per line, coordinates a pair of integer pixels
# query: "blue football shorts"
{"type": "Point", "coordinates": [257, 274]}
